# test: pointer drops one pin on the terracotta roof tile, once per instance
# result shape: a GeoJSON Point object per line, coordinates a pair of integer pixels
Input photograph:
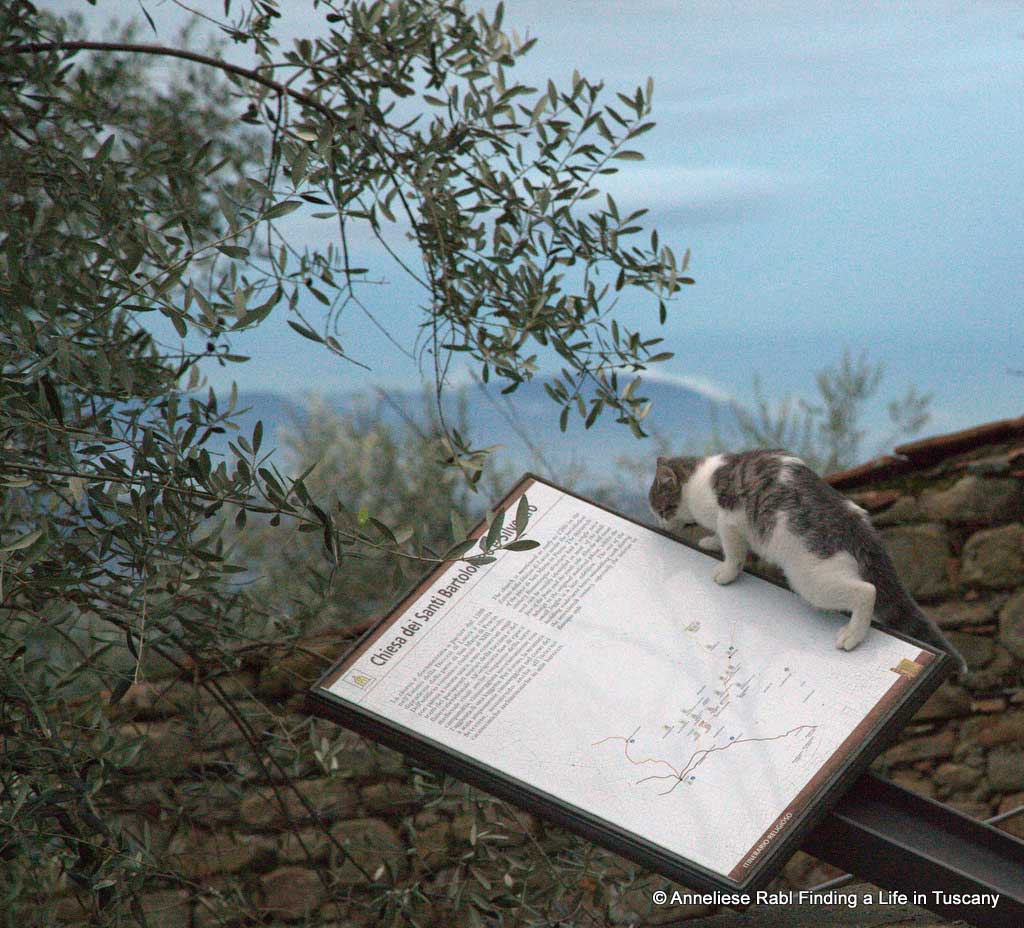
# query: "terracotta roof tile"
{"type": "Point", "coordinates": [927, 451]}
{"type": "Point", "coordinates": [875, 469]}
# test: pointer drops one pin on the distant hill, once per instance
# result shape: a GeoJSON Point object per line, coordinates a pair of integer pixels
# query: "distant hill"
{"type": "Point", "coordinates": [682, 414]}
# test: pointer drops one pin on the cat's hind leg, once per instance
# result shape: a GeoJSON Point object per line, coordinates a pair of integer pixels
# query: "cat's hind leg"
{"type": "Point", "coordinates": [835, 583]}
{"type": "Point", "coordinates": [859, 598]}
{"type": "Point", "coordinates": [710, 543]}
{"type": "Point", "coordinates": [734, 547]}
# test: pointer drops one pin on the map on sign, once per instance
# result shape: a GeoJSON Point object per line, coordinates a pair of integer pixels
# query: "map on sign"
{"type": "Point", "coordinates": [605, 675]}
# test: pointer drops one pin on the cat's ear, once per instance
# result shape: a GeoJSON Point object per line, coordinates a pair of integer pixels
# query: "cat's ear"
{"type": "Point", "coordinates": [665, 476]}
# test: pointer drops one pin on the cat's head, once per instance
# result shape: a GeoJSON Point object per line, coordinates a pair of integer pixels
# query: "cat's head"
{"type": "Point", "coordinates": [666, 496]}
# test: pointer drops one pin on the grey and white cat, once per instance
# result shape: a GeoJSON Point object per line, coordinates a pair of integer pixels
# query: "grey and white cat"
{"type": "Point", "coordinates": [773, 504]}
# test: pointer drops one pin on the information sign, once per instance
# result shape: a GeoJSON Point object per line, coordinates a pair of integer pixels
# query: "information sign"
{"type": "Point", "coordinates": [604, 680]}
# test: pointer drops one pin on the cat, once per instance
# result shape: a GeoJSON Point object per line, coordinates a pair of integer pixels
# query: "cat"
{"type": "Point", "coordinates": [772, 503]}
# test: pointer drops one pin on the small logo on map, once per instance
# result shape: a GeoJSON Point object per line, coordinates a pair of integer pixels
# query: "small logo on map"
{"type": "Point", "coordinates": [358, 678]}
{"type": "Point", "coordinates": [907, 668]}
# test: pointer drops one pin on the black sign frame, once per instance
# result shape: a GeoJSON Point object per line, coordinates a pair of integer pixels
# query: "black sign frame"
{"type": "Point", "coordinates": [877, 735]}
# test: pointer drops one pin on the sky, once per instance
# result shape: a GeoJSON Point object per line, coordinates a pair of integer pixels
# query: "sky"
{"type": "Point", "coordinates": [846, 175]}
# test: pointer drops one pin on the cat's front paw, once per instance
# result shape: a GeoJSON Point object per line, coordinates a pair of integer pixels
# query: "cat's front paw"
{"type": "Point", "coordinates": [726, 574]}
{"type": "Point", "coordinates": [710, 543]}
{"type": "Point", "coordinates": [849, 637]}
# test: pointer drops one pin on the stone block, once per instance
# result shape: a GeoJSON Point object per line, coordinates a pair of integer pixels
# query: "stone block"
{"type": "Point", "coordinates": [292, 672]}
{"type": "Point", "coordinates": [926, 748]}
{"type": "Point", "coordinates": [149, 799]}
{"type": "Point", "coordinates": [373, 845]}
{"type": "Point", "coordinates": [949, 701]}
{"type": "Point", "coordinates": [210, 803]}
{"type": "Point", "coordinates": [994, 558]}
{"type": "Point", "coordinates": [361, 760]}
{"type": "Point", "coordinates": [330, 797]}
{"type": "Point", "coordinates": [163, 666]}
{"type": "Point", "coordinates": [217, 912]}
{"type": "Point", "coordinates": [427, 817]}
{"type": "Point", "coordinates": [903, 510]}
{"type": "Point", "coordinates": [285, 759]}
{"type": "Point", "coordinates": [1003, 670]}
{"type": "Point", "coordinates": [169, 909]}
{"type": "Point", "coordinates": [915, 782]}
{"type": "Point", "coordinates": [290, 893]}
{"type": "Point", "coordinates": [227, 901]}
{"type": "Point", "coordinates": [994, 466]}
{"type": "Point", "coordinates": [167, 747]}
{"type": "Point", "coordinates": [1011, 625]}
{"type": "Point", "coordinates": [432, 845]}
{"type": "Point", "coordinates": [875, 500]}
{"type": "Point", "coordinates": [971, 807]}
{"type": "Point", "coordinates": [803, 871]}
{"type": "Point", "coordinates": [512, 825]}
{"type": "Point", "coordinates": [1006, 767]}
{"type": "Point", "coordinates": [1013, 801]}
{"type": "Point", "coordinates": [1013, 826]}
{"type": "Point", "coordinates": [986, 706]}
{"type": "Point", "coordinates": [214, 728]}
{"type": "Point", "coordinates": [389, 798]}
{"type": "Point", "coordinates": [144, 700]}
{"type": "Point", "coordinates": [975, 499]}
{"type": "Point", "coordinates": [72, 909]}
{"type": "Point", "coordinates": [959, 614]}
{"type": "Point", "coordinates": [200, 854]}
{"type": "Point", "coordinates": [304, 846]}
{"type": "Point", "coordinates": [359, 915]}
{"type": "Point", "coordinates": [462, 828]}
{"type": "Point", "coordinates": [956, 777]}
{"type": "Point", "coordinates": [239, 683]}
{"type": "Point", "coordinates": [633, 905]}
{"type": "Point", "coordinates": [920, 554]}
{"type": "Point", "coordinates": [977, 650]}
{"type": "Point", "coordinates": [1007, 729]}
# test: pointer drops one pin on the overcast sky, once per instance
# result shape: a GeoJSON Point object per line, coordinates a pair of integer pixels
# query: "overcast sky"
{"type": "Point", "coordinates": [845, 175]}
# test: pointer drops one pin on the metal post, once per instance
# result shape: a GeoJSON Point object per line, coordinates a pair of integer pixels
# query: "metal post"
{"type": "Point", "coordinates": [898, 840]}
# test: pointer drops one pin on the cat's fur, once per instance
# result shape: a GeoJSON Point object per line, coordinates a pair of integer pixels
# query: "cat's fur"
{"type": "Point", "coordinates": [773, 504]}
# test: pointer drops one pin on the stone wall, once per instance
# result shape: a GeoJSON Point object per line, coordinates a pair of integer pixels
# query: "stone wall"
{"type": "Point", "coordinates": [953, 524]}
{"type": "Point", "coordinates": [238, 840]}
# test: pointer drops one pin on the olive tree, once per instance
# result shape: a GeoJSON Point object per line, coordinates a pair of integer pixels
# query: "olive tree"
{"type": "Point", "coordinates": [827, 431]}
{"type": "Point", "coordinates": [132, 203]}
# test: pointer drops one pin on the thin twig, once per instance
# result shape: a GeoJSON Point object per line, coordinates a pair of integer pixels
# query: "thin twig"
{"type": "Point", "coordinates": [33, 48]}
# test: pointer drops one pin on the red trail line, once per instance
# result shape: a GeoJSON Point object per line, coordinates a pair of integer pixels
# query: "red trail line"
{"type": "Point", "coordinates": [696, 759]}
{"type": "Point", "coordinates": [638, 763]}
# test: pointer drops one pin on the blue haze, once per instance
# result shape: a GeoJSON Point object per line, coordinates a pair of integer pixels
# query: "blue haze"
{"type": "Point", "coordinates": [845, 174]}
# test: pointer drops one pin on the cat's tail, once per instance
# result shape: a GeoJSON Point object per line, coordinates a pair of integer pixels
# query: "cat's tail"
{"type": "Point", "coordinates": [896, 607]}
{"type": "Point", "coordinates": [912, 621]}
{"type": "Point", "coordinates": [893, 603]}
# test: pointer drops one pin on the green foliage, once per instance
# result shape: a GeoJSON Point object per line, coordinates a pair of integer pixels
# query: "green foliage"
{"type": "Point", "coordinates": [361, 462]}
{"type": "Point", "coordinates": [828, 433]}
{"type": "Point", "coordinates": [131, 206]}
